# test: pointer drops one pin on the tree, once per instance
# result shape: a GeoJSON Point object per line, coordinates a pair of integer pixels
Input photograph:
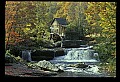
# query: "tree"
{"type": "Point", "coordinates": [31, 19]}
{"type": "Point", "coordinates": [76, 17]}
{"type": "Point", "coordinates": [102, 17]}
{"type": "Point", "coordinates": [25, 18]}
{"type": "Point", "coordinates": [10, 11]}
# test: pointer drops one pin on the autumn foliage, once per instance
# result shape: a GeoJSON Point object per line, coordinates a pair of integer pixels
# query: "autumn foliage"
{"type": "Point", "coordinates": [11, 37]}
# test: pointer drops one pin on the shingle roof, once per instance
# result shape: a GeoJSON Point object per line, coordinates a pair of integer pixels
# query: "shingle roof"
{"type": "Point", "coordinates": [61, 21]}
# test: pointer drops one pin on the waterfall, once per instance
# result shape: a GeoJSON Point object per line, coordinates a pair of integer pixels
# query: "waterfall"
{"type": "Point", "coordinates": [82, 54]}
{"type": "Point", "coordinates": [79, 62]}
{"type": "Point", "coordinates": [26, 55]}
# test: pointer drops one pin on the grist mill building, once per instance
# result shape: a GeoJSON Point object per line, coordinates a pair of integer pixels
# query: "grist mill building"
{"type": "Point", "coordinates": [57, 28]}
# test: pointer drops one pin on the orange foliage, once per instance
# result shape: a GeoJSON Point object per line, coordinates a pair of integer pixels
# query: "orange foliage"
{"type": "Point", "coordinates": [11, 37]}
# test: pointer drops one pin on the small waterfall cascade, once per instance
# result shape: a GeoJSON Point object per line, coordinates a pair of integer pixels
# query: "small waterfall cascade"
{"type": "Point", "coordinates": [79, 62]}
{"type": "Point", "coordinates": [26, 55]}
{"type": "Point", "coordinates": [82, 54]}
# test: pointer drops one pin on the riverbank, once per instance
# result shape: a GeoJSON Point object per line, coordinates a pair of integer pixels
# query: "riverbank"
{"type": "Point", "coordinates": [21, 70]}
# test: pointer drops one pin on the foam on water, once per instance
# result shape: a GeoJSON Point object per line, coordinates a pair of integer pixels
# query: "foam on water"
{"type": "Point", "coordinates": [78, 55]}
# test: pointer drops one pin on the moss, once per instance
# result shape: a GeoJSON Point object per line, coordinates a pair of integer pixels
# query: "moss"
{"type": "Point", "coordinates": [10, 58]}
{"type": "Point", "coordinates": [109, 66]}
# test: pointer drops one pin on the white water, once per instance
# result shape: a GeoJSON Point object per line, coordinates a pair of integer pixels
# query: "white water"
{"type": "Point", "coordinates": [78, 55]}
{"type": "Point", "coordinates": [26, 55]}
{"type": "Point", "coordinates": [75, 56]}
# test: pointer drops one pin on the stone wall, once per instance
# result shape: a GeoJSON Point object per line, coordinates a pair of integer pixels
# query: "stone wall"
{"type": "Point", "coordinates": [48, 54]}
{"type": "Point", "coordinates": [72, 43]}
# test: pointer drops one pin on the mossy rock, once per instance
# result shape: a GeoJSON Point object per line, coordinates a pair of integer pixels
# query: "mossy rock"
{"type": "Point", "coordinates": [9, 59]}
{"type": "Point", "coordinates": [79, 65]}
{"type": "Point", "coordinates": [46, 65]}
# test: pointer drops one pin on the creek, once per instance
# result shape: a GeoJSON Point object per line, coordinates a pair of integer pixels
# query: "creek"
{"type": "Point", "coordinates": [76, 62]}
{"type": "Point", "coordinates": [79, 62]}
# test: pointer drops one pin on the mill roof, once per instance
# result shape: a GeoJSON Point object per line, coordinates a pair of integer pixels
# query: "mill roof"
{"type": "Point", "coordinates": [61, 21]}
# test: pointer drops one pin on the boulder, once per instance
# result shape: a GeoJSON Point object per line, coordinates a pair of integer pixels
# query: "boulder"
{"type": "Point", "coordinates": [79, 65]}
{"type": "Point", "coordinates": [9, 59]}
{"type": "Point", "coordinates": [46, 65]}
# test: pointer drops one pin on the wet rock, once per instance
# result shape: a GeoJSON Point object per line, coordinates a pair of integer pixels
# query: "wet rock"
{"type": "Point", "coordinates": [8, 59]}
{"type": "Point", "coordinates": [40, 55]}
{"type": "Point", "coordinates": [79, 65]}
{"type": "Point", "coordinates": [60, 70]}
{"type": "Point", "coordinates": [19, 70]}
{"type": "Point", "coordinates": [46, 65]}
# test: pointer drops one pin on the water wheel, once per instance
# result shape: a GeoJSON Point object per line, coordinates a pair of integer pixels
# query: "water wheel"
{"type": "Point", "coordinates": [56, 37]}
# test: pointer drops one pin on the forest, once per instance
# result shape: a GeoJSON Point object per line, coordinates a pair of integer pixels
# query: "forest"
{"type": "Point", "coordinates": [27, 25]}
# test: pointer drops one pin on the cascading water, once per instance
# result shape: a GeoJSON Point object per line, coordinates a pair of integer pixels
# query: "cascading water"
{"type": "Point", "coordinates": [81, 55]}
{"type": "Point", "coordinates": [26, 55]}
{"type": "Point", "coordinates": [78, 55]}
{"type": "Point", "coordinates": [85, 56]}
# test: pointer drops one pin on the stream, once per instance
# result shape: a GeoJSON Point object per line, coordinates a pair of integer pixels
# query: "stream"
{"type": "Point", "coordinates": [77, 62]}
{"type": "Point", "coordinates": [75, 57]}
